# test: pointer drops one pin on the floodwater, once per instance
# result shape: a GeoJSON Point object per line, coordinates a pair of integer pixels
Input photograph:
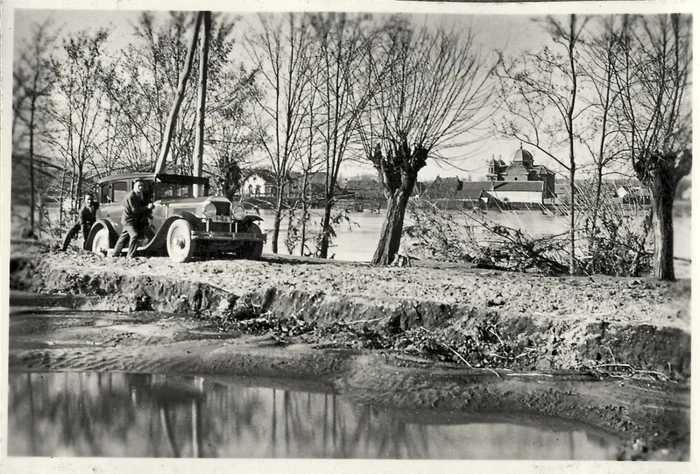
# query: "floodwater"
{"type": "Point", "coordinates": [357, 240]}
{"type": "Point", "coordinates": [130, 415]}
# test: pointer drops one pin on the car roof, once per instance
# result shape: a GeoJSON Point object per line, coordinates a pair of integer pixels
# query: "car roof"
{"type": "Point", "coordinates": [165, 177]}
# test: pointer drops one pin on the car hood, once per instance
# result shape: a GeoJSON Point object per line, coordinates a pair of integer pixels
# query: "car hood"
{"type": "Point", "coordinates": [192, 201]}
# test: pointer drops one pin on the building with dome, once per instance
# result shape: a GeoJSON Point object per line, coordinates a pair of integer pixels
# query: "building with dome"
{"type": "Point", "coordinates": [521, 183]}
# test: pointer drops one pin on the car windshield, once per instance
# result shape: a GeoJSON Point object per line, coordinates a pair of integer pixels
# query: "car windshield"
{"type": "Point", "coordinates": [177, 190]}
{"type": "Point", "coordinates": [173, 190]}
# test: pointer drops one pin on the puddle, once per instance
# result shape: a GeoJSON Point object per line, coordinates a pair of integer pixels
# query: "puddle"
{"type": "Point", "coordinates": [138, 415]}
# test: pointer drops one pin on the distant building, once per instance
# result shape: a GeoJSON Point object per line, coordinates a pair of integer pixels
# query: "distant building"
{"type": "Point", "coordinates": [258, 183]}
{"type": "Point", "coordinates": [365, 189]}
{"type": "Point", "coordinates": [258, 186]}
{"type": "Point", "coordinates": [519, 183]}
{"type": "Point", "coordinates": [523, 168]}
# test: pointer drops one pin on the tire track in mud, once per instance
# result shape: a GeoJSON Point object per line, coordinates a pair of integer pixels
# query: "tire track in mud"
{"type": "Point", "coordinates": [571, 340]}
{"type": "Point", "coordinates": [579, 329]}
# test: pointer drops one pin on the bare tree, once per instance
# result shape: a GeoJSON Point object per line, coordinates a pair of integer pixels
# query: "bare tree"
{"type": "Point", "coordinates": [78, 105]}
{"type": "Point", "coordinates": [232, 134]}
{"type": "Point", "coordinates": [602, 137]}
{"type": "Point", "coordinates": [540, 95]}
{"type": "Point", "coordinates": [653, 75]}
{"type": "Point", "coordinates": [143, 84]}
{"type": "Point", "coordinates": [280, 50]}
{"type": "Point", "coordinates": [310, 162]}
{"type": "Point", "coordinates": [432, 92]}
{"type": "Point", "coordinates": [340, 41]}
{"type": "Point", "coordinates": [33, 81]}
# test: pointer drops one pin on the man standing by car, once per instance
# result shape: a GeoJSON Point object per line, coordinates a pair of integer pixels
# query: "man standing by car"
{"type": "Point", "coordinates": [134, 220]}
{"type": "Point", "coordinates": [86, 217]}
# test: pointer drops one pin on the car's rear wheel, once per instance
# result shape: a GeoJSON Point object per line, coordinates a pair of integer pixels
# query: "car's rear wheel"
{"type": "Point", "coordinates": [100, 242]}
{"type": "Point", "coordinates": [252, 250]}
{"type": "Point", "coordinates": [179, 243]}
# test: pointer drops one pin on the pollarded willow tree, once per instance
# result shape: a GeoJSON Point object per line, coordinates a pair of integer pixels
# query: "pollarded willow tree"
{"type": "Point", "coordinates": [433, 92]}
{"type": "Point", "coordinates": [653, 74]}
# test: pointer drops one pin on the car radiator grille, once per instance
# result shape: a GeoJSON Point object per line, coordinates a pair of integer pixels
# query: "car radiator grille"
{"type": "Point", "coordinates": [222, 208]}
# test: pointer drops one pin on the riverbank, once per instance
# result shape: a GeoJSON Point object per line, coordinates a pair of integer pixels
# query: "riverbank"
{"type": "Point", "coordinates": [611, 353]}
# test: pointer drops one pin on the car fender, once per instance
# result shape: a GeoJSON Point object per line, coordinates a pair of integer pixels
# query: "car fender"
{"type": "Point", "coordinates": [96, 227]}
{"type": "Point", "coordinates": [251, 218]}
{"type": "Point", "coordinates": [159, 240]}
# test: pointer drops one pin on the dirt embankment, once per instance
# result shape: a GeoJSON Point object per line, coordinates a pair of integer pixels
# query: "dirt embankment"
{"type": "Point", "coordinates": [445, 336]}
{"type": "Point", "coordinates": [484, 318]}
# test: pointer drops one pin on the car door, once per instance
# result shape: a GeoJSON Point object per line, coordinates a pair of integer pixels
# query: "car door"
{"type": "Point", "coordinates": [112, 194]}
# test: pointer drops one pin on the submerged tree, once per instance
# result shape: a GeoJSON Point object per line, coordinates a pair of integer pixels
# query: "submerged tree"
{"type": "Point", "coordinates": [280, 51]}
{"type": "Point", "coordinates": [653, 75]}
{"type": "Point", "coordinates": [540, 95]}
{"type": "Point", "coordinates": [432, 92]}
{"type": "Point", "coordinates": [602, 138]}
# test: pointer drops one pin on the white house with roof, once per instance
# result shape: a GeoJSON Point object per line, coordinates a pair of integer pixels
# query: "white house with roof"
{"type": "Point", "coordinates": [258, 183]}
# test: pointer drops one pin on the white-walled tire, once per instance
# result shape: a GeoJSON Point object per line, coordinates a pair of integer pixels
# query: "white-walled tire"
{"type": "Point", "coordinates": [179, 241]}
{"type": "Point", "coordinates": [100, 242]}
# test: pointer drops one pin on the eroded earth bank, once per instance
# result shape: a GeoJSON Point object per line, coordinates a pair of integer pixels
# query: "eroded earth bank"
{"type": "Point", "coordinates": [605, 352]}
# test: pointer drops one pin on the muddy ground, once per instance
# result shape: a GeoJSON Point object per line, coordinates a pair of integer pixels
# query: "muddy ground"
{"type": "Point", "coordinates": [609, 352]}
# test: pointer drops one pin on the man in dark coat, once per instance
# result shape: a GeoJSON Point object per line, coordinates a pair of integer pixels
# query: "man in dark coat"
{"type": "Point", "coordinates": [134, 219]}
{"type": "Point", "coordinates": [86, 217]}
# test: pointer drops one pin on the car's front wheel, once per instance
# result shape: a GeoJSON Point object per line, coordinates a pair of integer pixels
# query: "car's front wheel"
{"type": "Point", "coordinates": [100, 242]}
{"type": "Point", "coordinates": [252, 250]}
{"type": "Point", "coordinates": [179, 243]}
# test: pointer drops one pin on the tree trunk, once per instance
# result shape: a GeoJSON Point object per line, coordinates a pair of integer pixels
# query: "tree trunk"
{"type": "Point", "coordinates": [201, 102]}
{"type": "Point", "coordinates": [32, 202]}
{"type": "Point", "coordinates": [398, 169]}
{"type": "Point", "coordinates": [278, 222]}
{"type": "Point", "coordinates": [390, 237]}
{"type": "Point", "coordinates": [79, 188]}
{"type": "Point", "coordinates": [572, 223]}
{"type": "Point", "coordinates": [572, 160]}
{"type": "Point", "coordinates": [326, 229]}
{"type": "Point", "coordinates": [61, 210]}
{"type": "Point", "coordinates": [598, 194]}
{"type": "Point", "coordinates": [662, 222]}
{"type": "Point", "coordinates": [172, 118]}
{"type": "Point", "coordinates": [304, 213]}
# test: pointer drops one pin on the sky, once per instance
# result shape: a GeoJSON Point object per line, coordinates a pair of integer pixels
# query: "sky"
{"type": "Point", "coordinates": [513, 33]}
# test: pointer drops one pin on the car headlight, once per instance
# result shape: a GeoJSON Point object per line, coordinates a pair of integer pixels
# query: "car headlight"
{"type": "Point", "coordinates": [238, 212]}
{"type": "Point", "coordinates": [209, 210]}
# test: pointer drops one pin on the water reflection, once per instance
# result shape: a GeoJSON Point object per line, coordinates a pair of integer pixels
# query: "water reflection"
{"type": "Point", "coordinates": [103, 414]}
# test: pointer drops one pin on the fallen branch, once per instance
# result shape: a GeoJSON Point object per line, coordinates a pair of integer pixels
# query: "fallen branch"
{"type": "Point", "coordinates": [634, 371]}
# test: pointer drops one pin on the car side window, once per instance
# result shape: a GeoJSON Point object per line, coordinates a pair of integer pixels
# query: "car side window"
{"type": "Point", "coordinates": [119, 189]}
{"type": "Point", "coordinates": [105, 195]}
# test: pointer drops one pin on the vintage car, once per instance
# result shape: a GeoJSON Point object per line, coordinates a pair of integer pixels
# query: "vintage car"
{"type": "Point", "coordinates": [181, 225]}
